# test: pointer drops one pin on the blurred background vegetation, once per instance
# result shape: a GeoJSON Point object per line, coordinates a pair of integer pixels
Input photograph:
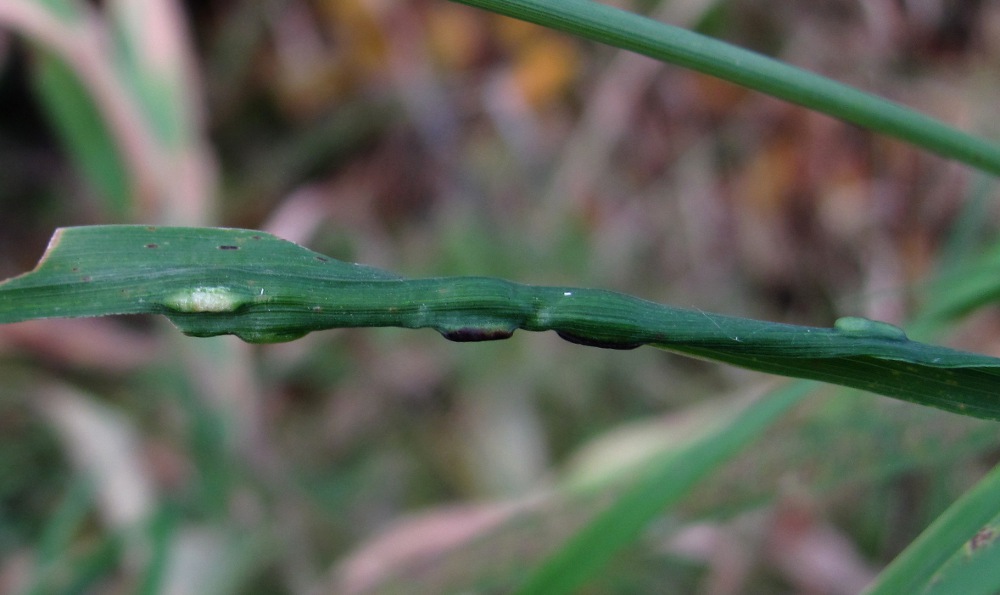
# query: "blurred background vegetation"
{"type": "Point", "coordinates": [430, 138]}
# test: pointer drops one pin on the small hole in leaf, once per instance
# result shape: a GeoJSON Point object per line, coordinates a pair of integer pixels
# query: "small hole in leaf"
{"type": "Point", "coordinates": [152, 246]}
{"type": "Point", "coordinates": [85, 278]}
{"type": "Point", "coordinates": [229, 247]}
{"type": "Point", "coordinates": [255, 237]}
{"type": "Point", "coordinates": [322, 259]}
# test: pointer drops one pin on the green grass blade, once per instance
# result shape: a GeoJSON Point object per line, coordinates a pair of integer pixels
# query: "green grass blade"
{"type": "Point", "coordinates": [154, 81]}
{"type": "Point", "coordinates": [609, 25]}
{"type": "Point", "coordinates": [55, 543]}
{"type": "Point", "coordinates": [664, 484]}
{"type": "Point", "coordinates": [912, 569]}
{"type": "Point", "coordinates": [975, 569]}
{"type": "Point", "coordinates": [210, 281]}
{"type": "Point", "coordinates": [82, 128]}
{"type": "Point", "coordinates": [964, 288]}
{"type": "Point", "coordinates": [65, 10]}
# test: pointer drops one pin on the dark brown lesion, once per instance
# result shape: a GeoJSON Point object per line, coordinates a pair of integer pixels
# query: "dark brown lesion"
{"type": "Point", "coordinates": [983, 538]}
{"type": "Point", "coordinates": [472, 334]}
{"type": "Point", "coordinates": [580, 340]}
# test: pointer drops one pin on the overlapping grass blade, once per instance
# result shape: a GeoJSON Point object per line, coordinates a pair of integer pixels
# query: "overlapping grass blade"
{"type": "Point", "coordinates": [663, 484]}
{"type": "Point", "coordinates": [636, 33]}
{"type": "Point", "coordinates": [974, 569]}
{"type": "Point", "coordinates": [81, 126]}
{"type": "Point", "coordinates": [911, 570]}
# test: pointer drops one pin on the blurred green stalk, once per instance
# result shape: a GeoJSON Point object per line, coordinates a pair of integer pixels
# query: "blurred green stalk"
{"type": "Point", "coordinates": [911, 570]}
{"type": "Point", "coordinates": [665, 483]}
{"type": "Point", "coordinates": [674, 45]}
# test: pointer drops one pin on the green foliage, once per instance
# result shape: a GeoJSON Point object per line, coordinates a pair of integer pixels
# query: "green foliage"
{"type": "Point", "coordinates": [940, 560]}
{"type": "Point", "coordinates": [265, 290]}
{"type": "Point", "coordinates": [606, 24]}
{"type": "Point", "coordinates": [258, 491]}
{"type": "Point", "coordinates": [662, 485]}
{"type": "Point", "coordinates": [84, 132]}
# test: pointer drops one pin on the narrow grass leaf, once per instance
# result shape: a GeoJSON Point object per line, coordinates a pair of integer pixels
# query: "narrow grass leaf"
{"type": "Point", "coordinates": [211, 281]}
{"type": "Point", "coordinates": [55, 544]}
{"type": "Point", "coordinates": [149, 64]}
{"type": "Point", "coordinates": [65, 10]}
{"type": "Point", "coordinates": [615, 27]}
{"type": "Point", "coordinates": [975, 569]}
{"type": "Point", "coordinates": [665, 483]}
{"type": "Point", "coordinates": [81, 127]}
{"type": "Point", "coordinates": [919, 562]}
{"type": "Point", "coordinates": [964, 288]}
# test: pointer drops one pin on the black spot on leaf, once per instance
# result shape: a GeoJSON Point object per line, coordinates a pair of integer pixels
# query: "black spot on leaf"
{"type": "Point", "coordinates": [596, 342]}
{"type": "Point", "coordinates": [471, 334]}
